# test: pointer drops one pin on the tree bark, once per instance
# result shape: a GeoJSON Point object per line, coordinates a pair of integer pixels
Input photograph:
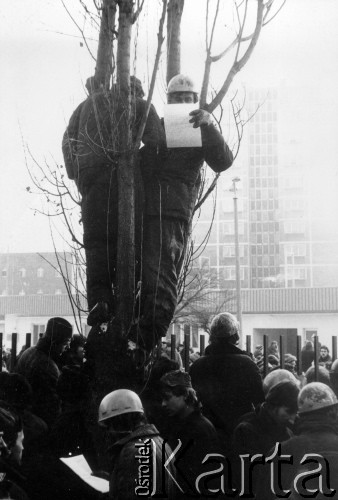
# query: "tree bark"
{"type": "Point", "coordinates": [104, 66]}
{"type": "Point", "coordinates": [125, 174]}
{"type": "Point", "coordinates": [175, 10]}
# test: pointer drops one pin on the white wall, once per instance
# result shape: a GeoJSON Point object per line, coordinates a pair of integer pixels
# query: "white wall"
{"type": "Point", "coordinates": [325, 323]}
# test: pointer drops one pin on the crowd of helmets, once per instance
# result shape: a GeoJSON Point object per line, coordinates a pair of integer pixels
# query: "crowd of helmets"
{"type": "Point", "coordinates": [221, 406]}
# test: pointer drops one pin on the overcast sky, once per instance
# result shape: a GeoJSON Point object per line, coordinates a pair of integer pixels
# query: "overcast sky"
{"type": "Point", "coordinates": [43, 68]}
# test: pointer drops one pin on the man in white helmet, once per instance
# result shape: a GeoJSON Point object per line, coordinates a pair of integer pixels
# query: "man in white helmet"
{"type": "Point", "coordinates": [317, 433]}
{"type": "Point", "coordinates": [139, 453]}
{"type": "Point", "coordinates": [172, 181]}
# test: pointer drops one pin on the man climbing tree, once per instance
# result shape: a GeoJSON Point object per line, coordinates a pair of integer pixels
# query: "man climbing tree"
{"type": "Point", "coordinates": [91, 155]}
{"type": "Point", "coordinates": [106, 153]}
{"type": "Point", "coordinates": [172, 181]}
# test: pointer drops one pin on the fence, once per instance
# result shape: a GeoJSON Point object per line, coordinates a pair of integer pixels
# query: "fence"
{"type": "Point", "coordinates": [186, 361]}
{"type": "Point", "coordinates": [265, 351]}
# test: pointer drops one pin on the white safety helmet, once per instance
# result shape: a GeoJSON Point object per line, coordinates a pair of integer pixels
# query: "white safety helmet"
{"type": "Point", "coordinates": [119, 402]}
{"type": "Point", "coordinates": [316, 396]}
{"type": "Point", "coordinates": [181, 83]}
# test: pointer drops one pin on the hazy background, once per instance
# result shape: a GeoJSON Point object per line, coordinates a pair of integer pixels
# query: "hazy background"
{"type": "Point", "coordinates": [43, 70]}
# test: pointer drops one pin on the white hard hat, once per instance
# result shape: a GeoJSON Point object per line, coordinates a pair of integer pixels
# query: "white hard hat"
{"type": "Point", "coordinates": [119, 402]}
{"type": "Point", "coordinates": [316, 396]}
{"type": "Point", "coordinates": [181, 83]}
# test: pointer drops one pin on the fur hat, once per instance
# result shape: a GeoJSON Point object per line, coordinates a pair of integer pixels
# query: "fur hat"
{"type": "Point", "coordinates": [175, 378]}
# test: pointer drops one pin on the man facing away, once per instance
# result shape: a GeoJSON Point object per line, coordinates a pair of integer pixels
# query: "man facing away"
{"type": "Point", "coordinates": [91, 152]}
{"type": "Point", "coordinates": [226, 379]}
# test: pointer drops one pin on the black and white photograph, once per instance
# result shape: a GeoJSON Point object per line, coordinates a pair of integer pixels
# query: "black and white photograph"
{"type": "Point", "coordinates": [169, 249]}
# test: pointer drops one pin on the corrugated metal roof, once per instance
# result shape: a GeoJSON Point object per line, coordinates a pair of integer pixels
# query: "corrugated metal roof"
{"type": "Point", "coordinates": [275, 300]}
{"type": "Point", "coordinates": [254, 301]}
{"type": "Point", "coordinates": [37, 305]}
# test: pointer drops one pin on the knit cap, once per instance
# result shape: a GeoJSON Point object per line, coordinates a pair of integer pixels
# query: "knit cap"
{"type": "Point", "coordinates": [58, 330]}
{"type": "Point", "coordinates": [284, 393]}
{"type": "Point", "coordinates": [289, 358]}
{"type": "Point", "coordinates": [176, 378]}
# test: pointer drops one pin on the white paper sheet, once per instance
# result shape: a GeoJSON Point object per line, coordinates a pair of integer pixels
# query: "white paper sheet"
{"type": "Point", "coordinates": [179, 132]}
{"type": "Point", "coordinates": [80, 466]}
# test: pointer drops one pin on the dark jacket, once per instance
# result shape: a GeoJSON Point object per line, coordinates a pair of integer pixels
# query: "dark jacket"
{"type": "Point", "coordinates": [257, 433]}
{"type": "Point", "coordinates": [228, 384]}
{"type": "Point", "coordinates": [90, 141]}
{"type": "Point", "coordinates": [132, 458]}
{"type": "Point", "coordinates": [316, 435]}
{"type": "Point", "coordinates": [307, 357]}
{"type": "Point", "coordinates": [11, 481]}
{"type": "Point", "coordinates": [41, 371]}
{"type": "Point", "coordinates": [198, 437]}
{"type": "Point", "coordinates": [172, 177]}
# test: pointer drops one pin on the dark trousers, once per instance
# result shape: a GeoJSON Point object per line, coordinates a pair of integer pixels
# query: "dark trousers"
{"type": "Point", "coordinates": [98, 188]}
{"type": "Point", "coordinates": [163, 250]}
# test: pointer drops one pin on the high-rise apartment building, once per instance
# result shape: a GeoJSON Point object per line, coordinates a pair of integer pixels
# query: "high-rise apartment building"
{"type": "Point", "coordinates": [287, 197]}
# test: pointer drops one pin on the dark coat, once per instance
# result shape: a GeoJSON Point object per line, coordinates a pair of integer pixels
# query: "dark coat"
{"type": "Point", "coordinates": [89, 140]}
{"type": "Point", "coordinates": [307, 357]}
{"type": "Point", "coordinates": [172, 177]}
{"type": "Point", "coordinates": [127, 465]}
{"type": "Point", "coordinates": [198, 437]}
{"type": "Point", "coordinates": [11, 481]}
{"type": "Point", "coordinates": [316, 435]}
{"type": "Point", "coordinates": [257, 433]}
{"type": "Point", "coordinates": [228, 384]}
{"type": "Point", "coordinates": [41, 371]}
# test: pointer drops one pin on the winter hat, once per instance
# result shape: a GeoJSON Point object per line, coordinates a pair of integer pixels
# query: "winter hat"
{"type": "Point", "coordinates": [283, 394]}
{"type": "Point", "coordinates": [175, 378]}
{"type": "Point", "coordinates": [273, 360]}
{"type": "Point", "coordinates": [58, 330]}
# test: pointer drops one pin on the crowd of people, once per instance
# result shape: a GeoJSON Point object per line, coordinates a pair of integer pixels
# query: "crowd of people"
{"type": "Point", "coordinates": [209, 432]}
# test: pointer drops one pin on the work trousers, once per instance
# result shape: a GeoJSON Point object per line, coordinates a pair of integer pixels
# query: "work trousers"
{"type": "Point", "coordinates": [163, 251]}
{"type": "Point", "coordinates": [98, 188]}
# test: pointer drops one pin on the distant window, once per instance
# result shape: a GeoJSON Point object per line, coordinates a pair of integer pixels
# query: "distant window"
{"type": "Point", "coordinates": [58, 291]}
{"type": "Point", "coordinates": [22, 272]}
{"type": "Point", "coordinates": [229, 273]}
{"type": "Point", "coordinates": [4, 292]}
{"type": "Point", "coordinates": [294, 227]}
{"type": "Point", "coordinates": [57, 274]}
{"type": "Point", "coordinates": [40, 291]}
{"type": "Point", "coordinates": [22, 292]}
{"type": "Point", "coordinates": [4, 273]}
{"type": "Point", "coordinates": [297, 249]}
{"type": "Point", "coordinates": [40, 272]}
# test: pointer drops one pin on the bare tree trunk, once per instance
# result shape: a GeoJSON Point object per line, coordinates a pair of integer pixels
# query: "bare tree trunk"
{"type": "Point", "coordinates": [175, 10]}
{"type": "Point", "coordinates": [104, 67]}
{"type": "Point", "coordinates": [126, 174]}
